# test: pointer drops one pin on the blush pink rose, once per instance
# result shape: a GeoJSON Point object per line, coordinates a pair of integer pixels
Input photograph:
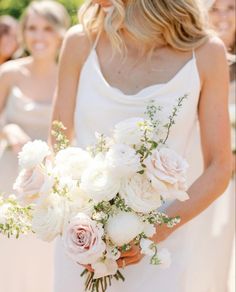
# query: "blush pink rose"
{"type": "Point", "coordinates": [83, 240]}
{"type": "Point", "coordinates": [28, 184]}
{"type": "Point", "coordinates": [167, 166]}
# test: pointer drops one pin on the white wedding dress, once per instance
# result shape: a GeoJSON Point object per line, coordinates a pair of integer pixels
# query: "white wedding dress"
{"type": "Point", "coordinates": [99, 107]}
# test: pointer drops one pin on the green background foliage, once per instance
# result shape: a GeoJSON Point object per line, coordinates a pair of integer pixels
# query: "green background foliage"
{"type": "Point", "coordinates": [16, 7]}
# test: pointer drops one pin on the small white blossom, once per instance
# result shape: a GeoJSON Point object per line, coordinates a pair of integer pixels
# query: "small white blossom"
{"type": "Point", "coordinates": [123, 160]}
{"type": "Point", "coordinates": [123, 227]}
{"type": "Point", "coordinates": [33, 153]}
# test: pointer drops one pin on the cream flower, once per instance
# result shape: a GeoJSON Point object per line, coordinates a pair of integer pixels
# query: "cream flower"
{"type": "Point", "coordinates": [168, 167]}
{"type": "Point", "coordinates": [123, 227]}
{"type": "Point", "coordinates": [4, 213]}
{"type": "Point", "coordinates": [32, 154]}
{"type": "Point", "coordinates": [129, 131]}
{"type": "Point", "coordinates": [98, 182]}
{"type": "Point", "coordinates": [72, 162]}
{"type": "Point", "coordinates": [28, 184]}
{"type": "Point", "coordinates": [123, 160]}
{"type": "Point", "coordinates": [103, 268]}
{"type": "Point", "coordinates": [50, 216]}
{"type": "Point", "coordinates": [140, 195]}
{"type": "Point", "coordinates": [83, 240]}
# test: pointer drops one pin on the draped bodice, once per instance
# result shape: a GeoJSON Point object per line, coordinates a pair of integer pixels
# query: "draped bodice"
{"type": "Point", "coordinates": [32, 116]}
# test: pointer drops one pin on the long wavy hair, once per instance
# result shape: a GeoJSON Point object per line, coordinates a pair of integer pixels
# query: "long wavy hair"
{"type": "Point", "coordinates": [181, 24]}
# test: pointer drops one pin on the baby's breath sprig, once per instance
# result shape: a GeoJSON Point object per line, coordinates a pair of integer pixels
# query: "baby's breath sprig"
{"type": "Point", "coordinates": [14, 218]}
{"type": "Point", "coordinates": [159, 218]}
{"type": "Point", "coordinates": [101, 145]}
{"type": "Point", "coordinates": [173, 116]}
{"type": "Point", "coordinates": [58, 130]}
{"type": "Point", "coordinates": [120, 204]}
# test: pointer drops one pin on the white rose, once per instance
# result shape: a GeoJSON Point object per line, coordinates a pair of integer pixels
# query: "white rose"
{"type": "Point", "coordinates": [50, 216]}
{"type": "Point", "coordinates": [123, 160]}
{"type": "Point", "coordinates": [168, 167]}
{"type": "Point", "coordinates": [147, 247]}
{"type": "Point", "coordinates": [4, 213]}
{"type": "Point", "coordinates": [28, 184]}
{"type": "Point", "coordinates": [140, 195]}
{"type": "Point", "coordinates": [165, 258]}
{"type": "Point", "coordinates": [79, 202]}
{"type": "Point", "coordinates": [129, 131]}
{"type": "Point", "coordinates": [98, 182]}
{"type": "Point", "coordinates": [83, 240]}
{"type": "Point", "coordinates": [123, 227]}
{"type": "Point", "coordinates": [72, 162]}
{"type": "Point", "coordinates": [33, 153]}
{"type": "Point", "coordinates": [149, 229]}
{"type": "Point", "coordinates": [105, 268]}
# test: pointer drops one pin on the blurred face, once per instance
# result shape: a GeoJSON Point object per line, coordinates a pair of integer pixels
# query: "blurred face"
{"type": "Point", "coordinates": [222, 16]}
{"type": "Point", "coordinates": [9, 43]}
{"type": "Point", "coordinates": [102, 3]}
{"type": "Point", "coordinates": [41, 38]}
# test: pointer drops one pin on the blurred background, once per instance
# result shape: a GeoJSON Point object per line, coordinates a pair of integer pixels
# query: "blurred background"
{"type": "Point", "coordinates": [16, 7]}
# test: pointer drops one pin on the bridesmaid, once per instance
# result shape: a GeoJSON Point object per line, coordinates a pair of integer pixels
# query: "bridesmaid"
{"type": "Point", "coordinates": [27, 87]}
{"type": "Point", "coordinates": [8, 37]}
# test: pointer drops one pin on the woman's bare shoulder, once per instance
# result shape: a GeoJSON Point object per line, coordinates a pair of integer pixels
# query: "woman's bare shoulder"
{"type": "Point", "coordinates": [77, 44]}
{"type": "Point", "coordinates": [11, 70]}
{"type": "Point", "coordinates": [211, 56]}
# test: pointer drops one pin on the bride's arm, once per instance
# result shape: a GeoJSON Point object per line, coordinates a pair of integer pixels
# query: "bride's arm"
{"type": "Point", "coordinates": [74, 52]}
{"type": "Point", "coordinates": [215, 137]}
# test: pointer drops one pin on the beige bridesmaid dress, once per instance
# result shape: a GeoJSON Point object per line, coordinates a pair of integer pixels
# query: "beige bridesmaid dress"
{"type": "Point", "coordinates": [26, 264]}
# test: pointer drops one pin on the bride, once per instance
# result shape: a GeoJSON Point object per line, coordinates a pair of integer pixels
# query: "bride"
{"type": "Point", "coordinates": [125, 54]}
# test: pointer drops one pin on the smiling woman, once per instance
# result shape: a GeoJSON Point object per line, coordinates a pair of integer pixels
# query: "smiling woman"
{"type": "Point", "coordinates": [27, 87]}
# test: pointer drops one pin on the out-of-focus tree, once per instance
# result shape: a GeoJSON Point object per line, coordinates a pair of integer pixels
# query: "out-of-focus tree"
{"type": "Point", "coordinates": [16, 7]}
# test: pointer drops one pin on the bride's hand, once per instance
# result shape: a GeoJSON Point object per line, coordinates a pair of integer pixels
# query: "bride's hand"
{"type": "Point", "coordinates": [15, 137]}
{"type": "Point", "coordinates": [162, 233]}
{"type": "Point", "coordinates": [131, 257]}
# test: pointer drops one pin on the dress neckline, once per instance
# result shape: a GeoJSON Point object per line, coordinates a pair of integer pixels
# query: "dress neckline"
{"type": "Point", "coordinates": [146, 89]}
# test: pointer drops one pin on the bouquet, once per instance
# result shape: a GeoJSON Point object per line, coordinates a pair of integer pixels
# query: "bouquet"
{"type": "Point", "coordinates": [104, 199]}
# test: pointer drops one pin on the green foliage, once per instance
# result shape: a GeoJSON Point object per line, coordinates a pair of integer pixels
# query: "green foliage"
{"type": "Point", "coordinates": [16, 7]}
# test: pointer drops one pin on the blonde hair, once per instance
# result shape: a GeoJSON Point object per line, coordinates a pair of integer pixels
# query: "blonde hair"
{"type": "Point", "coordinates": [181, 24]}
{"type": "Point", "coordinates": [50, 10]}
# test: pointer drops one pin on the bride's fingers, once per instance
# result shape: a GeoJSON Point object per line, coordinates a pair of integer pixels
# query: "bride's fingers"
{"type": "Point", "coordinates": [122, 262]}
{"type": "Point", "coordinates": [88, 267]}
{"type": "Point", "coordinates": [132, 252]}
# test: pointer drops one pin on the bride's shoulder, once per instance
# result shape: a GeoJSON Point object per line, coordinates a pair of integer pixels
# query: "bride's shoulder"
{"type": "Point", "coordinates": [211, 55]}
{"type": "Point", "coordinates": [76, 42]}
{"type": "Point", "coordinates": [211, 58]}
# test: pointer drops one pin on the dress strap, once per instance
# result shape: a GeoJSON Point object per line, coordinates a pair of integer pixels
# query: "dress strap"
{"type": "Point", "coordinates": [193, 54]}
{"type": "Point", "coordinates": [96, 40]}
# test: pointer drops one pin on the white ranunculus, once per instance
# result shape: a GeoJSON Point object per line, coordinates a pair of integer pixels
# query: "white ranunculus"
{"type": "Point", "coordinates": [72, 161]}
{"type": "Point", "coordinates": [147, 247]}
{"type": "Point", "coordinates": [4, 211]}
{"type": "Point", "coordinates": [33, 153]}
{"type": "Point", "coordinates": [83, 240]}
{"type": "Point", "coordinates": [149, 229]}
{"type": "Point", "coordinates": [129, 131]}
{"type": "Point", "coordinates": [79, 202]}
{"type": "Point", "coordinates": [165, 258]}
{"type": "Point", "coordinates": [103, 268]}
{"type": "Point", "coordinates": [98, 182]}
{"type": "Point", "coordinates": [28, 184]}
{"type": "Point", "coordinates": [166, 166]}
{"type": "Point", "coordinates": [50, 216]}
{"type": "Point", "coordinates": [123, 160]}
{"type": "Point", "coordinates": [113, 253]}
{"type": "Point", "coordinates": [140, 195]}
{"type": "Point", "coordinates": [123, 227]}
